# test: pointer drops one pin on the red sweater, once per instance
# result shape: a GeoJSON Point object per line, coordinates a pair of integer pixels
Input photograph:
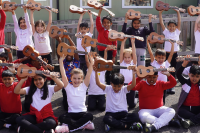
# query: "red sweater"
{"type": "Point", "coordinates": [2, 26]}
{"type": "Point", "coordinates": [151, 96]}
{"type": "Point", "coordinates": [103, 37]}
{"type": "Point", "coordinates": [45, 112]}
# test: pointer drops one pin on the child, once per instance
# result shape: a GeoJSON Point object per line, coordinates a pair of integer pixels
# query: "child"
{"type": "Point", "coordinates": [197, 34]}
{"type": "Point", "coordinates": [77, 117]}
{"type": "Point", "coordinates": [103, 38]}
{"type": "Point", "coordinates": [41, 36]}
{"type": "Point", "coordinates": [189, 101]}
{"type": "Point", "coordinates": [82, 28]}
{"type": "Point", "coordinates": [152, 112]}
{"type": "Point", "coordinates": [159, 62]}
{"type": "Point", "coordinates": [136, 30]}
{"type": "Point", "coordinates": [23, 31]}
{"type": "Point", "coordinates": [172, 31]}
{"type": "Point", "coordinates": [117, 115]}
{"type": "Point", "coordinates": [40, 119]}
{"type": "Point", "coordinates": [2, 26]}
{"type": "Point", "coordinates": [186, 71]}
{"type": "Point", "coordinates": [127, 58]}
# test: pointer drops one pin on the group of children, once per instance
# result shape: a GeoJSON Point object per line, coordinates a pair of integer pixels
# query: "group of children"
{"type": "Point", "coordinates": [79, 75]}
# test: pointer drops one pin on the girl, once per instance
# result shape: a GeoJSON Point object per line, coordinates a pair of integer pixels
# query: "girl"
{"type": "Point", "coordinates": [197, 34]}
{"type": "Point", "coordinates": [127, 58]}
{"type": "Point", "coordinates": [2, 26]}
{"type": "Point", "coordinates": [41, 36]}
{"type": "Point", "coordinates": [40, 118]}
{"type": "Point", "coordinates": [76, 117]}
{"type": "Point", "coordinates": [138, 31]}
{"type": "Point", "coordinates": [23, 32]}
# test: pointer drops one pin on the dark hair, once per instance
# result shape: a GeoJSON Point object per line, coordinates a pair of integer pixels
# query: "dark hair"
{"type": "Point", "coordinates": [195, 70]}
{"type": "Point", "coordinates": [161, 52]}
{"type": "Point", "coordinates": [108, 17]}
{"type": "Point", "coordinates": [21, 18]}
{"type": "Point", "coordinates": [4, 55]}
{"type": "Point", "coordinates": [84, 24]}
{"type": "Point", "coordinates": [155, 73]}
{"type": "Point", "coordinates": [194, 62]}
{"type": "Point", "coordinates": [33, 88]}
{"type": "Point", "coordinates": [38, 22]}
{"type": "Point", "coordinates": [7, 73]}
{"type": "Point", "coordinates": [172, 22]}
{"type": "Point", "coordinates": [135, 20]}
{"type": "Point", "coordinates": [117, 78]}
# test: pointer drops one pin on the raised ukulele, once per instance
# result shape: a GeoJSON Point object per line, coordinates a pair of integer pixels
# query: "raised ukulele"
{"type": "Point", "coordinates": [192, 10]}
{"type": "Point", "coordinates": [29, 51]}
{"type": "Point", "coordinates": [79, 10]}
{"type": "Point", "coordinates": [182, 58]}
{"type": "Point", "coordinates": [120, 36]}
{"type": "Point", "coordinates": [97, 5]}
{"type": "Point", "coordinates": [156, 38]}
{"type": "Point", "coordinates": [11, 47]}
{"type": "Point", "coordinates": [88, 41]}
{"type": "Point", "coordinates": [24, 71]}
{"type": "Point", "coordinates": [165, 6]}
{"type": "Point", "coordinates": [132, 14]}
{"type": "Point", "coordinates": [143, 71]}
{"type": "Point", "coordinates": [16, 65]}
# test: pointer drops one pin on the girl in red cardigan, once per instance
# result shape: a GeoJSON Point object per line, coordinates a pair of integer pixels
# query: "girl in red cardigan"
{"type": "Point", "coordinates": [2, 26]}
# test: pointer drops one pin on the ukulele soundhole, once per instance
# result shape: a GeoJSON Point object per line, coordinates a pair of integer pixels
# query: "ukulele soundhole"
{"type": "Point", "coordinates": [11, 5]}
{"type": "Point", "coordinates": [58, 32]}
{"type": "Point", "coordinates": [106, 66]}
{"type": "Point", "coordinates": [92, 42]}
{"type": "Point", "coordinates": [52, 31]}
{"type": "Point", "coordinates": [36, 5]}
{"type": "Point", "coordinates": [148, 71]}
{"type": "Point", "coordinates": [29, 71]}
{"type": "Point", "coordinates": [164, 6]}
{"type": "Point", "coordinates": [69, 50]}
{"type": "Point", "coordinates": [136, 14]}
{"type": "Point", "coordinates": [197, 10]}
{"type": "Point", "coordinates": [32, 54]}
{"type": "Point", "coordinates": [159, 38]}
{"type": "Point", "coordinates": [119, 35]}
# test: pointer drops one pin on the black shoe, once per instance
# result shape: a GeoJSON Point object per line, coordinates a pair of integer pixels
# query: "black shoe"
{"type": "Point", "coordinates": [149, 128]}
{"type": "Point", "coordinates": [171, 91]}
{"type": "Point", "coordinates": [186, 123]}
{"type": "Point", "coordinates": [136, 126]}
{"type": "Point", "coordinates": [175, 123]}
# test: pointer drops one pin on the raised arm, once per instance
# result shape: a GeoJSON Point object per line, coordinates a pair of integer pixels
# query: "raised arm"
{"type": "Point", "coordinates": [151, 29]}
{"type": "Point", "coordinates": [89, 72]}
{"type": "Point", "coordinates": [101, 85]}
{"type": "Point", "coordinates": [50, 19]}
{"type": "Point", "coordinates": [62, 71]}
{"type": "Point", "coordinates": [18, 89]}
{"type": "Point", "coordinates": [28, 24]}
{"type": "Point", "coordinates": [10, 57]}
{"type": "Point", "coordinates": [179, 19]}
{"type": "Point", "coordinates": [122, 50]}
{"type": "Point", "coordinates": [161, 20]}
{"type": "Point", "coordinates": [32, 21]}
{"type": "Point", "coordinates": [134, 51]}
{"type": "Point", "coordinates": [16, 26]}
{"type": "Point", "coordinates": [98, 21]}
{"type": "Point", "coordinates": [91, 22]}
{"type": "Point", "coordinates": [179, 75]}
{"type": "Point", "coordinates": [196, 23]}
{"type": "Point", "coordinates": [150, 51]}
{"type": "Point", "coordinates": [132, 85]}
{"type": "Point", "coordinates": [125, 24]}
{"type": "Point", "coordinates": [171, 53]}
{"type": "Point", "coordinates": [3, 19]}
{"type": "Point", "coordinates": [79, 21]}
{"type": "Point", "coordinates": [76, 56]}
{"type": "Point", "coordinates": [171, 83]}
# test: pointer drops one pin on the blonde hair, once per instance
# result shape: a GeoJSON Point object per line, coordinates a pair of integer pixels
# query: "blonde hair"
{"type": "Point", "coordinates": [129, 50]}
{"type": "Point", "coordinates": [77, 71]}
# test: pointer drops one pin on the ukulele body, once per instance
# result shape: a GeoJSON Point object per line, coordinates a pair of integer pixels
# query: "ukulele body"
{"type": "Point", "coordinates": [133, 14]}
{"type": "Point", "coordinates": [158, 38]}
{"type": "Point", "coordinates": [0, 2]}
{"type": "Point", "coordinates": [192, 10]}
{"type": "Point", "coordinates": [30, 51]}
{"type": "Point", "coordinates": [102, 64]}
{"type": "Point", "coordinates": [56, 32]}
{"type": "Point", "coordinates": [88, 41]}
{"type": "Point", "coordinates": [115, 36]}
{"type": "Point", "coordinates": [75, 9]}
{"type": "Point", "coordinates": [34, 5]}
{"type": "Point", "coordinates": [162, 6]}
{"type": "Point", "coordinates": [65, 49]}
{"type": "Point", "coordinates": [144, 71]}
{"type": "Point", "coordinates": [6, 5]}
{"type": "Point", "coordinates": [94, 4]}
{"type": "Point", "coordinates": [24, 71]}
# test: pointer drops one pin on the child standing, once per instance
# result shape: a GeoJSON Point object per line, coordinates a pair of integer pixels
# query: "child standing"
{"type": "Point", "coordinates": [172, 31]}
{"type": "Point", "coordinates": [2, 26]}
{"type": "Point", "coordinates": [77, 117]}
{"type": "Point", "coordinates": [197, 34]}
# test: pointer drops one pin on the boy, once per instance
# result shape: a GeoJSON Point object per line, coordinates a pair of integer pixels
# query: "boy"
{"type": "Point", "coordinates": [152, 112]}
{"type": "Point", "coordinates": [159, 62]}
{"type": "Point", "coordinates": [117, 115]}
{"type": "Point", "coordinates": [172, 31]}
{"type": "Point", "coordinates": [82, 28]}
{"type": "Point", "coordinates": [103, 38]}
{"type": "Point", "coordinates": [189, 101]}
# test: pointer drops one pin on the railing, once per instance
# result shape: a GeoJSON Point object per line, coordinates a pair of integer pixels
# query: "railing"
{"type": "Point", "coordinates": [187, 31]}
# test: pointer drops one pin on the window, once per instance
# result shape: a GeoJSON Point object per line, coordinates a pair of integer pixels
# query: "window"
{"type": "Point", "coordinates": [43, 2]}
{"type": "Point", "coordinates": [106, 3]}
{"type": "Point", "coordinates": [137, 3]}
{"type": "Point", "coordinates": [5, 0]}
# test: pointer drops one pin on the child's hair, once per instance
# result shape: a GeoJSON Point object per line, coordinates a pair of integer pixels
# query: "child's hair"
{"type": "Point", "coordinates": [135, 20]}
{"type": "Point", "coordinates": [4, 55]}
{"type": "Point", "coordinates": [42, 22]}
{"type": "Point", "coordinates": [161, 52]}
{"type": "Point", "coordinates": [117, 79]}
{"type": "Point", "coordinates": [77, 71]}
{"type": "Point", "coordinates": [108, 17]}
{"type": "Point", "coordinates": [194, 69]}
{"type": "Point", "coordinates": [195, 62]}
{"type": "Point", "coordinates": [172, 22]}
{"type": "Point", "coordinates": [129, 50]}
{"type": "Point", "coordinates": [155, 73]}
{"type": "Point", "coordinates": [84, 24]}
{"type": "Point", "coordinates": [21, 18]}
{"type": "Point", "coordinates": [7, 73]}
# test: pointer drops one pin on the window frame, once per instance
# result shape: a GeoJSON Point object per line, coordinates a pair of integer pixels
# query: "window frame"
{"type": "Point", "coordinates": [123, 6]}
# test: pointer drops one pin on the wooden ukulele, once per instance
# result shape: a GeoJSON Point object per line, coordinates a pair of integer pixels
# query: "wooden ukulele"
{"type": "Point", "coordinates": [24, 71]}
{"type": "Point", "coordinates": [16, 65]}
{"type": "Point", "coordinates": [29, 51]}
{"type": "Point", "coordinates": [11, 47]}
{"type": "Point", "coordinates": [0, 2]}
{"type": "Point", "coordinates": [132, 14]}
{"type": "Point", "coordinates": [182, 58]}
{"type": "Point", "coordinates": [79, 10]}
{"type": "Point", "coordinates": [143, 71]}
{"type": "Point", "coordinates": [165, 6]}
{"type": "Point", "coordinates": [120, 36]}
{"type": "Point", "coordinates": [102, 65]}
{"type": "Point", "coordinates": [192, 10]}
{"type": "Point", "coordinates": [97, 5]}
{"type": "Point", "coordinates": [88, 41]}
{"type": "Point", "coordinates": [156, 38]}
{"type": "Point", "coordinates": [57, 32]}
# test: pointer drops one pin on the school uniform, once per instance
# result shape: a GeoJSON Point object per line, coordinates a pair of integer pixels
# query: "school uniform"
{"type": "Point", "coordinates": [117, 115]}
{"type": "Point", "coordinates": [77, 116]}
{"type": "Point", "coordinates": [197, 39]}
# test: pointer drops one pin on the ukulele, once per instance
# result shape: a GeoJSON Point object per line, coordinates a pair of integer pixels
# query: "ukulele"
{"type": "Point", "coordinates": [79, 10]}
{"type": "Point", "coordinates": [192, 10]}
{"type": "Point", "coordinates": [165, 6]}
{"type": "Point", "coordinates": [30, 51]}
{"type": "Point", "coordinates": [120, 36]}
{"type": "Point", "coordinates": [25, 70]}
{"type": "Point", "coordinates": [132, 14]}
{"type": "Point", "coordinates": [11, 47]}
{"type": "Point", "coordinates": [0, 2]}
{"type": "Point", "coordinates": [156, 38]}
{"type": "Point", "coordinates": [88, 41]}
{"type": "Point", "coordinates": [143, 71]}
{"type": "Point", "coordinates": [102, 65]}
{"type": "Point", "coordinates": [57, 32]}
{"type": "Point", "coordinates": [16, 65]}
{"type": "Point", "coordinates": [9, 6]}
{"type": "Point", "coordinates": [97, 5]}
{"type": "Point", "coordinates": [182, 58]}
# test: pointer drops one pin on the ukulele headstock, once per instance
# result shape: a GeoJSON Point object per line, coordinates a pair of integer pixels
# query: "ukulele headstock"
{"type": "Point", "coordinates": [139, 38]}
{"type": "Point", "coordinates": [180, 58]}
{"type": "Point", "coordinates": [56, 74]}
{"type": "Point", "coordinates": [14, 47]}
{"type": "Point", "coordinates": [134, 68]}
{"type": "Point", "coordinates": [154, 16]}
{"type": "Point", "coordinates": [50, 67]}
{"type": "Point", "coordinates": [78, 35]}
{"type": "Point", "coordinates": [171, 69]}
{"type": "Point", "coordinates": [54, 10]}
{"type": "Point", "coordinates": [16, 65]}
{"type": "Point", "coordinates": [180, 43]}
{"type": "Point", "coordinates": [181, 10]}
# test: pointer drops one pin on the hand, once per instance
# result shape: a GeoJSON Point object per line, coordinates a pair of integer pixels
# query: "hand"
{"type": "Point", "coordinates": [126, 17]}
{"type": "Point", "coordinates": [84, 11]}
{"type": "Point", "coordinates": [47, 74]}
{"type": "Point", "coordinates": [109, 47]}
{"type": "Point", "coordinates": [133, 39]}
{"type": "Point", "coordinates": [62, 58]}
{"type": "Point", "coordinates": [166, 73]}
{"type": "Point", "coordinates": [45, 60]}
{"type": "Point", "coordinates": [176, 9]}
{"type": "Point", "coordinates": [94, 68]}
{"type": "Point", "coordinates": [150, 16]}
{"type": "Point", "coordinates": [24, 7]}
{"type": "Point", "coordinates": [89, 12]}
{"type": "Point", "coordinates": [161, 11]}
{"type": "Point", "coordinates": [7, 49]}
{"type": "Point", "coordinates": [171, 42]}
{"type": "Point", "coordinates": [12, 69]}
{"type": "Point", "coordinates": [101, 8]}
{"type": "Point", "coordinates": [0, 8]}
{"type": "Point", "coordinates": [185, 62]}
{"type": "Point", "coordinates": [124, 40]}
{"type": "Point", "coordinates": [48, 9]}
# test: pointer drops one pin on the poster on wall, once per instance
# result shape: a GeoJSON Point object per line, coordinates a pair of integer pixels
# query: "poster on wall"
{"type": "Point", "coordinates": [137, 3]}
{"type": "Point", "coordinates": [106, 3]}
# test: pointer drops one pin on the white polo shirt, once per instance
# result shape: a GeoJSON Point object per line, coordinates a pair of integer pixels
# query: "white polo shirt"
{"type": "Point", "coordinates": [116, 102]}
{"type": "Point", "coordinates": [79, 41]}
{"type": "Point", "coordinates": [197, 38]}
{"type": "Point", "coordinates": [128, 74]}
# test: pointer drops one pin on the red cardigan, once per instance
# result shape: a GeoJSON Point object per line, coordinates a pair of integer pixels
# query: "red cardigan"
{"type": "Point", "coordinates": [103, 37]}
{"type": "Point", "coordinates": [2, 26]}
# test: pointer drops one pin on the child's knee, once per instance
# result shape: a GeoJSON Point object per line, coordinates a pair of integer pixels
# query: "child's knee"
{"type": "Point", "coordinates": [143, 117]}
{"type": "Point", "coordinates": [171, 111]}
{"type": "Point", "coordinates": [51, 123]}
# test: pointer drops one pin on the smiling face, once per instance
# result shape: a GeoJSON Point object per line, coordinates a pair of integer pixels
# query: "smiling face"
{"type": "Point", "coordinates": [116, 88]}
{"type": "Point", "coordinates": [171, 27]}
{"type": "Point", "coordinates": [40, 28]}
{"type": "Point", "coordinates": [84, 30]}
{"type": "Point", "coordinates": [127, 58]}
{"type": "Point", "coordinates": [76, 79]}
{"type": "Point", "coordinates": [39, 81]}
{"type": "Point", "coordinates": [3, 60]}
{"type": "Point", "coordinates": [194, 78]}
{"type": "Point", "coordinates": [106, 24]}
{"type": "Point", "coordinates": [160, 58]}
{"type": "Point", "coordinates": [136, 24]}
{"type": "Point", "coordinates": [8, 81]}
{"type": "Point", "coordinates": [23, 25]}
{"type": "Point", "coordinates": [151, 79]}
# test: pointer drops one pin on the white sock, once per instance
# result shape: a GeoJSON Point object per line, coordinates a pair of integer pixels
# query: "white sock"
{"type": "Point", "coordinates": [8, 125]}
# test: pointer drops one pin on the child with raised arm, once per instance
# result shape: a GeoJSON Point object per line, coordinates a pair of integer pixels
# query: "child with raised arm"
{"type": "Point", "coordinates": [172, 31]}
{"type": "Point", "coordinates": [2, 26]}
{"type": "Point", "coordinates": [77, 117]}
{"type": "Point", "coordinates": [197, 34]}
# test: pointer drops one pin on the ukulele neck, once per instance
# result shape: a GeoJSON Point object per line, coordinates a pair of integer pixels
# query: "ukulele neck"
{"type": "Point", "coordinates": [173, 7]}
{"type": "Point", "coordinates": [174, 41]}
{"type": "Point", "coordinates": [144, 15]}
{"type": "Point", "coordinates": [19, 5]}
{"type": "Point", "coordinates": [101, 44]}
{"type": "Point", "coordinates": [119, 67]}
{"type": "Point", "coordinates": [112, 14]}
{"type": "Point", "coordinates": [159, 69]}
{"type": "Point", "coordinates": [67, 33]}
{"type": "Point", "coordinates": [41, 61]}
{"type": "Point", "coordinates": [7, 46]}
{"type": "Point", "coordinates": [80, 52]}
{"type": "Point", "coordinates": [6, 64]}
{"type": "Point", "coordinates": [192, 59]}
